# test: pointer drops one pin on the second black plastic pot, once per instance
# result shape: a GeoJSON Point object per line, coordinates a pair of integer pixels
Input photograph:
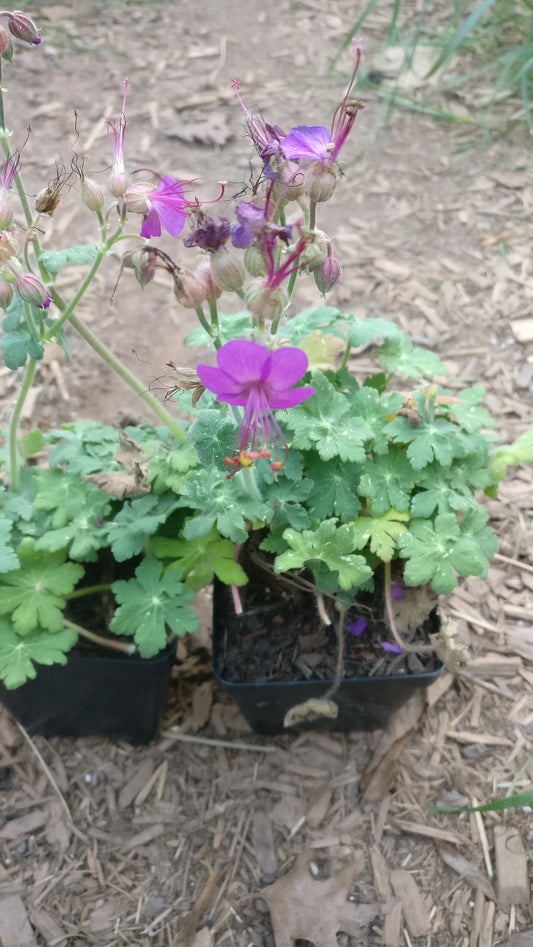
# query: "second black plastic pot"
{"type": "Point", "coordinates": [275, 707]}
{"type": "Point", "coordinates": [117, 696]}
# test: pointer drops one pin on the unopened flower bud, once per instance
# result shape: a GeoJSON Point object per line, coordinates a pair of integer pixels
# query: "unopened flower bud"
{"type": "Point", "coordinates": [32, 290]}
{"type": "Point", "coordinates": [205, 273]}
{"type": "Point", "coordinates": [288, 180]}
{"type": "Point", "coordinates": [327, 275]}
{"type": "Point", "coordinates": [316, 248]}
{"type": "Point", "coordinates": [8, 246]}
{"type": "Point", "coordinates": [228, 271]}
{"type": "Point", "coordinates": [6, 209]}
{"type": "Point", "coordinates": [267, 304]}
{"type": "Point", "coordinates": [189, 290]}
{"type": "Point", "coordinates": [23, 28]}
{"type": "Point", "coordinates": [92, 194]}
{"type": "Point", "coordinates": [4, 40]}
{"type": "Point", "coordinates": [135, 197]}
{"type": "Point", "coordinates": [320, 181]}
{"type": "Point", "coordinates": [253, 261]}
{"type": "Point", "coordinates": [143, 262]}
{"type": "Point", "coordinates": [118, 183]}
{"type": "Point", "coordinates": [6, 294]}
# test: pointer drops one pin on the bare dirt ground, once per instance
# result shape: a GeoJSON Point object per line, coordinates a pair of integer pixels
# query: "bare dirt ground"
{"type": "Point", "coordinates": [183, 842]}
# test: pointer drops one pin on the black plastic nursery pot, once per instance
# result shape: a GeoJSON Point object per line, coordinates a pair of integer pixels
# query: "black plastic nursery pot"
{"type": "Point", "coordinates": [118, 696]}
{"type": "Point", "coordinates": [273, 707]}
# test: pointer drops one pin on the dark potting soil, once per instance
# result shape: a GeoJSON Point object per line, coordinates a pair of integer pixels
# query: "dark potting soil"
{"type": "Point", "coordinates": [281, 637]}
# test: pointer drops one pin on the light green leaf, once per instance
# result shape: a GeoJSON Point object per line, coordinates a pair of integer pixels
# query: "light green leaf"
{"type": "Point", "coordinates": [17, 655]}
{"type": "Point", "coordinates": [148, 603]}
{"type": "Point", "coordinates": [381, 532]}
{"type": "Point", "coordinates": [330, 544]}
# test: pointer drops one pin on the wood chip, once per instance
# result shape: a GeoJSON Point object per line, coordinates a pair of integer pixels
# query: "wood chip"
{"type": "Point", "coordinates": [414, 906]}
{"type": "Point", "coordinates": [466, 869]}
{"type": "Point", "coordinates": [522, 329]}
{"type": "Point", "coordinates": [511, 867]}
{"type": "Point", "coordinates": [392, 925]}
{"type": "Point", "coordinates": [428, 831]}
{"type": "Point", "coordinates": [381, 874]}
{"type": "Point", "coordinates": [144, 837]}
{"type": "Point", "coordinates": [15, 928]}
{"type": "Point", "coordinates": [489, 739]}
{"type": "Point", "coordinates": [25, 825]}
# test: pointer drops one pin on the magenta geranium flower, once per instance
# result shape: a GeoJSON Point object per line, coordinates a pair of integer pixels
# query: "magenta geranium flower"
{"type": "Point", "coordinates": [260, 381]}
{"type": "Point", "coordinates": [166, 205]}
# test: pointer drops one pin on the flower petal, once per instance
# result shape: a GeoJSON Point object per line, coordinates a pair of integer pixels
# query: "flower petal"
{"type": "Point", "coordinates": [391, 647]}
{"type": "Point", "coordinates": [286, 367]}
{"type": "Point", "coordinates": [308, 141]}
{"type": "Point", "coordinates": [357, 627]}
{"type": "Point", "coordinates": [151, 226]}
{"type": "Point", "coordinates": [243, 360]}
{"type": "Point", "coordinates": [289, 399]}
{"type": "Point", "coordinates": [221, 384]}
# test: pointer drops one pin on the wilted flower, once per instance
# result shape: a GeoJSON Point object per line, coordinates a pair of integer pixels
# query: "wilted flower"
{"type": "Point", "coordinates": [210, 235]}
{"type": "Point", "coordinates": [253, 224]}
{"type": "Point", "coordinates": [248, 374]}
{"type": "Point", "coordinates": [357, 627]}
{"type": "Point", "coordinates": [266, 138]}
{"type": "Point", "coordinates": [119, 178]}
{"type": "Point", "coordinates": [315, 142]}
{"type": "Point", "coordinates": [391, 647]}
{"type": "Point", "coordinates": [6, 179]}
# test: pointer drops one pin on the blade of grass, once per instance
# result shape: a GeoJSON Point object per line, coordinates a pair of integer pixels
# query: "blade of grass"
{"type": "Point", "coordinates": [510, 802]}
{"type": "Point", "coordinates": [462, 32]}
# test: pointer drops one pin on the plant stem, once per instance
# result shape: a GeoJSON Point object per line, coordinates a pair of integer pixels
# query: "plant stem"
{"type": "Point", "coordinates": [14, 423]}
{"type": "Point", "coordinates": [215, 326]}
{"type": "Point", "coordinates": [88, 590]}
{"type": "Point", "coordinates": [126, 648]}
{"type": "Point", "coordinates": [128, 377]}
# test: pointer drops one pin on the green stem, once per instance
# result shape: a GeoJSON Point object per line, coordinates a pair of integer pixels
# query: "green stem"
{"type": "Point", "coordinates": [346, 355]}
{"type": "Point", "coordinates": [203, 321]}
{"type": "Point", "coordinates": [67, 310]}
{"type": "Point", "coordinates": [215, 325]}
{"type": "Point", "coordinates": [14, 423]}
{"type": "Point", "coordinates": [127, 648]}
{"type": "Point", "coordinates": [88, 590]}
{"type": "Point", "coordinates": [128, 377]}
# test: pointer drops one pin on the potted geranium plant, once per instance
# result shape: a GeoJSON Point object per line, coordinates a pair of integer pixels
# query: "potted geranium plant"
{"type": "Point", "coordinates": [352, 497]}
{"type": "Point", "coordinates": [88, 610]}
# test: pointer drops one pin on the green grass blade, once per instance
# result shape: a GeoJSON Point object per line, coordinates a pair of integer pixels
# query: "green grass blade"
{"type": "Point", "coordinates": [462, 32]}
{"type": "Point", "coordinates": [510, 802]}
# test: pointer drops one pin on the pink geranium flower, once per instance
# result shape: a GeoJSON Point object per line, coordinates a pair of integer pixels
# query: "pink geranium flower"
{"type": "Point", "coordinates": [260, 381]}
{"type": "Point", "coordinates": [166, 205]}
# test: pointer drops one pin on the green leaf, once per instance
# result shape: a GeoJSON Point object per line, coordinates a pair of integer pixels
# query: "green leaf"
{"type": "Point", "coordinates": [17, 655]}
{"type": "Point", "coordinates": [400, 358]}
{"type": "Point", "coordinates": [213, 436]}
{"type": "Point", "coordinates": [8, 557]}
{"type": "Point", "coordinates": [32, 443]}
{"type": "Point", "coordinates": [19, 344]}
{"type": "Point", "coordinates": [138, 518]}
{"type": "Point", "coordinates": [55, 260]}
{"type": "Point", "coordinates": [438, 551]}
{"type": "Point", "coordinates": [226, 503]}
{"type": "Point", "coordinates": [335, 487]}
{"type": "Point", "coordinates": [382, 532]}
{"type": "Point", "coordinates": [387, 481]}
{"type": "Point", "coordinates": [84, 447]}
{"type": "Point", "coordinates": [148, 603]}
{"type": "Point", "coordinates": [521, 451]}
{"type": "Point", "coordinates": [325, 422]}
{"type": "Point", "coordinates": [201, 558]}
{"type": "Point", "coordinates": [468, 412]}
{"type": "Point", "coordinates": [236, 326]}
{"type": "Point", "coordinates": [33, 595]}
{"type": "Point", "coordinates": [362, 331]}
{"type": "Point", "coordinates": [433, 438]}
{"type": "Point", "coordinates": [330, 544]}
{"type": "Point", "coordinates": [325, 318]}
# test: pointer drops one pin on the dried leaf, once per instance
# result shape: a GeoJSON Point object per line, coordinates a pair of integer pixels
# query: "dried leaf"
{"type": "Point", "coordinates": [310, 710]}
{"type": "Point", "coordinates": [119, 485]}
{"type": "Point", "coordinates": [306, 909]}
